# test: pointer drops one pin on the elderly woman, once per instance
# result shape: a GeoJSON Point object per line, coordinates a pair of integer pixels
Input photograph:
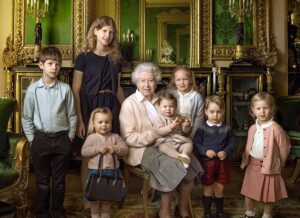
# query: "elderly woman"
{"type": "Point", "coordinates": [136, 123]}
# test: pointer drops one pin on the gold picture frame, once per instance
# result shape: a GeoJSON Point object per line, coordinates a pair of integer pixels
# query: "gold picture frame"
{"type": "Point", "coordinates": [261, 33]}
{"type": "Point", "coordinates": [80, 19]}
{"type": "Point", "coordinates": [200, 31]}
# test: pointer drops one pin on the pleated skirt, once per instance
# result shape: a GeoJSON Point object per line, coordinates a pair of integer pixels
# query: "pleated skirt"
{"type": "Point", "coordinates": [262, 187]}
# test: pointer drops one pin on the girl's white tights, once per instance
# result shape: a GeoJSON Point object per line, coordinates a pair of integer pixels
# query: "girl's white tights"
{"type": "Point", "coordinates": [95, 215]}
{"type": "Point", "coordinates": [104, 215]}
{"type": "Point", "coordinates": [266, 215]}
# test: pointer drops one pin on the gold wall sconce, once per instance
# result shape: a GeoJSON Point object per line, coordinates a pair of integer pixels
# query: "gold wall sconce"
{"type": "Point", "coordinates": [37, 10]}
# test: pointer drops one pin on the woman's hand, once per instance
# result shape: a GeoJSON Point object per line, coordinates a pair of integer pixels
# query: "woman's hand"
{"type": "Point", "coordinates": [211, 153]}
{"type": "Point", "coordinates": [111, 148]}
{"type": "Point", "coordinates": [80, 129]}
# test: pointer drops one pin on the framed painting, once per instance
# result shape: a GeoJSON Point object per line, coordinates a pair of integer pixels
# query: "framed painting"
{"type": "Point", "coordinates": [64, 26]}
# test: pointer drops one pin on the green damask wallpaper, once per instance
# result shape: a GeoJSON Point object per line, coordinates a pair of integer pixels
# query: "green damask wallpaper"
{"type": "Point", "coordinates": [224, 26]}
{"type": "Point", "coordinates": [57, 24]}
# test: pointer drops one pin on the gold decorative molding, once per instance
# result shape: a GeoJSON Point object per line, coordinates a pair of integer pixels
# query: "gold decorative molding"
{"type": "Point", "coordinates": [268, 55]}
{"type": "Point", "coordinates": [205, 48]}
{"type": "Point", "coordinates": [261, 33]}
{"type": "Point", "coordinates": [142, 30]}
{"type": "Point", "coordinates": [195, 33]}
{"type": "Point", "coordinates": [16, 193]}
{"type": "Point", "coordinates": [14, 54]}
{"type": "Point", "coordinates": [80, 21]}
{"type": "Point", "coordinates": [81, 17]}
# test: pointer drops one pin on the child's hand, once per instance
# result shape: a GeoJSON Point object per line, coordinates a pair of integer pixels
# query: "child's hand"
{"type": "Point", "coordinates": [111, 149]}
{"type": "Point", "coordinates": [211, 153]}
{"type": "Point", "coordinates": [222, 155]}
{"type": "Point", "coordinates": [175, 123]}
{"type": "Point", "coordinates": [103, 149]}
{"type": "Point", "coordinates": [186, 123]}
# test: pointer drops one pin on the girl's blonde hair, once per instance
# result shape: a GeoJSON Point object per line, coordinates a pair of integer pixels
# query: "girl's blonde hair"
{"type": "Point", "coordinates": [263, 96]}
{"type": "Point", "coordinates": [102, 110]}
{"type": "Point", "coordinates": [91, 40]}
{"type": "Point", "coordinates": [191, 74]}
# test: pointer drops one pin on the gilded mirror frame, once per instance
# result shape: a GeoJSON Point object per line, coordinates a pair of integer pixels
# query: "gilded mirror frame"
{"type": "Point", "coordinates": [80, 21]}
{"type": "Point", "coordinates": [194, 30]}
{"type": "Point", "coordinates": [202, 50]}
{"type": "Point", "coordinates": [196, 57]}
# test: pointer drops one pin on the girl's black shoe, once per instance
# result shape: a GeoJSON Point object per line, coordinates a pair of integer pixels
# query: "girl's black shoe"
{"type": "Point", "coordinates": [246, 216]}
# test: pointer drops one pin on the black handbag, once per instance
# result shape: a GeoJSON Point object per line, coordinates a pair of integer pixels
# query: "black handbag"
{"type": "Point", "coordinates": [104, 188]}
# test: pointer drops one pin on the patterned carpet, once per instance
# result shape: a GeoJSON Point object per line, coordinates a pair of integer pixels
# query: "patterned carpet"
{"type": "Point", "coordinates": [132, 208]}
{"type": "Point", "coordinates": [234, 207]}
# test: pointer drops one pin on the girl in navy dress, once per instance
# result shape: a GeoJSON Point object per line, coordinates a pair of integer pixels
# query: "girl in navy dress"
{"type": "Point", "coordinates": [96, 79]}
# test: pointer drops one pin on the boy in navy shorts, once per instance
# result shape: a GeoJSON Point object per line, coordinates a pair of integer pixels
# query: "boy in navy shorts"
{"type": "Point", "coordinates": [49, 122]}
{"type": "Point", "coordinates": [213, 141]}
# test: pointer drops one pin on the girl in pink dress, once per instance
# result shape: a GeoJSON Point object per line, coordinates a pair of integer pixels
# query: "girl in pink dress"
{"type": "Point", "coordinates": [101, 141]}
{"type": "Point", "coordinates": [267, 149]}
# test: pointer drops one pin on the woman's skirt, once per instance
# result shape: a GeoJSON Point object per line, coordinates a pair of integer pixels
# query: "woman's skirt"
{"type": "Point", "coordinates": [166, 173]}
{"type": "Point", "coordinates": [174, 141]}
{"type": "Point", "coordinates": [262, 187]}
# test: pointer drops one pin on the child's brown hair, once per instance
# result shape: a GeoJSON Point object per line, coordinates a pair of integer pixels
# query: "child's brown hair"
{"type": "Point", "coordinates": [214, 99]}
{"type": "Point", "coordinates": [167, 96]}
{"type": "Point", "coordinates": [50, 53]}
{"type": "Point", "coordinates": [263, 96]}
{"type": "Point", "coordinates": [191, 74]}
{"type": "Point", "coordinates": [102, 110]}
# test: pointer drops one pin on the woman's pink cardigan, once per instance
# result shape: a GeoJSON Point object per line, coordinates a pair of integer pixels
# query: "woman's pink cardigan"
{"type": "Point", "coordinates": [136, 129]}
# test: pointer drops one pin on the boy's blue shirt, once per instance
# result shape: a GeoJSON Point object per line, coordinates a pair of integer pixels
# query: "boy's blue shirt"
{"type": "Point", "coordinates": [49, 109]}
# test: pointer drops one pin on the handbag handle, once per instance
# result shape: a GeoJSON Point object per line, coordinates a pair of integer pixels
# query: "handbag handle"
{"type": "Point", "coordinates": [100, 163]}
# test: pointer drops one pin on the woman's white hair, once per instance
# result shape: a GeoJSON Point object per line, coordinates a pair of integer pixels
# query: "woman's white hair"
{"type": "Point", "coordinates": [146, 67]}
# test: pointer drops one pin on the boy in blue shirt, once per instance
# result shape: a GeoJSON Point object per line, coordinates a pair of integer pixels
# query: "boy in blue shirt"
{"type": "Point", "coordinates": [49, 122]}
